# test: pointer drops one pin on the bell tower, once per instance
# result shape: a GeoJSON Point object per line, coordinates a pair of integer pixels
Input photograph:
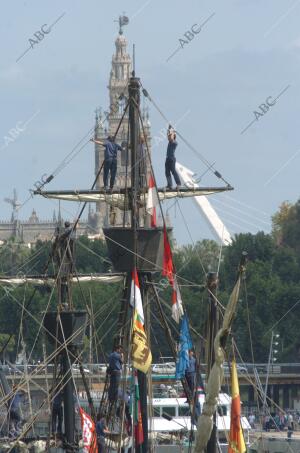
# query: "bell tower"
{"type": "Point", "coordinates": [120, 73]}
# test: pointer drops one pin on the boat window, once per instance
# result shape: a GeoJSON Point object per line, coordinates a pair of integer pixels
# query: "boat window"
{"type": "Point", "coordinates": [184, 411]}
{"type": "Point", "coordinates": [156, 411]}
{"type": "Point", "coordinates": [169, 411]}
{"type": "Point", "coordinates": [222, 410]}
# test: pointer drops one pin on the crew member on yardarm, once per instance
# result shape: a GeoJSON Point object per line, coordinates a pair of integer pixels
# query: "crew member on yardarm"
{"type": "Point", "coordinates": [110, 160]}
{"type": "Point", "coordinates": [115, 364]}
{"type": "Point", "coordinates": [170, 164]}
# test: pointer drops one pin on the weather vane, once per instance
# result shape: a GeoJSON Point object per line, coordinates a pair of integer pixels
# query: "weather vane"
{"type": "Point", "coordinates": [123, 20]}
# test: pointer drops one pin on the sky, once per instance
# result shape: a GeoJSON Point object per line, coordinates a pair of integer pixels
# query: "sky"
{"type": "Point", "coordinates": [241, 69]}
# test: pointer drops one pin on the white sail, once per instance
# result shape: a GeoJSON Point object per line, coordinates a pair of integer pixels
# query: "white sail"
{"type": "Point", "coordinates": [215, 223]}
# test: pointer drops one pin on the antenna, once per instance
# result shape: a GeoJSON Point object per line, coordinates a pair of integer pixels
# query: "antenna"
{"type": "Point", "coordinates": [133, 60]}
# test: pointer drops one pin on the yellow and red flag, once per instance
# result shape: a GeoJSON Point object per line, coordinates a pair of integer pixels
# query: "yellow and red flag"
{"type": "Point", "coordinates": [141, 353]}
{"type": "Point", "coordinates": [236, 437]}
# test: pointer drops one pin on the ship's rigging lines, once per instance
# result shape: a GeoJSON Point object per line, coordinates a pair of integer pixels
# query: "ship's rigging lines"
{"type": "Point", "coordinates": [209, 165]}
{"type": "Point", "coordinates": [62, 346]}
{"type": "Point", "coordinates": [122, 202]}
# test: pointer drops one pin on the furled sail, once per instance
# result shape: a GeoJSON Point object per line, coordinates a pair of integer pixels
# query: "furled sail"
{"type": "Point", "coordinates": [50, 281]}
{"type": "Point", "coordinates": [205, 422]}
{"type": "Point", "coordinates": [120, 198]}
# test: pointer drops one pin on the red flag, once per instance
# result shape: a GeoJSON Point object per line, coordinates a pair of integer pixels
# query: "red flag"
{"type": "Point", "coordinates": [169, 272]}
{"type": "Point", "coordinates": [168, 268]}
{"type": "Point", "coordinates": [89, 435]}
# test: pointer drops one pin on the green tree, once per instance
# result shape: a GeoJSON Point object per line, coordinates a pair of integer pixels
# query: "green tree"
{"type": "Point", "coordinates": [286, 225]}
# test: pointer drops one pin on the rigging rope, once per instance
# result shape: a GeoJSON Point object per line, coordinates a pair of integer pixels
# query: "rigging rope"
{"type": "Point", "coordinates": [210, 166]}
{"type": "Point", "coordinates": [190, 235]}
{"type": "Point", "coordinates": [63, 345]}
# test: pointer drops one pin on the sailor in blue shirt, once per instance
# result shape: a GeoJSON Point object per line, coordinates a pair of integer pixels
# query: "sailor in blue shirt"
{"type": "Point", "coordinates": [110, 160]}
{"type": "Point", "coordinates": [101, 430]}
{"type": "Point", "coordinates": [170, 164]}
{"type": "Point", "coordinates": [190, 372]}
{"type": "Point", "coordinates": [115, 364]}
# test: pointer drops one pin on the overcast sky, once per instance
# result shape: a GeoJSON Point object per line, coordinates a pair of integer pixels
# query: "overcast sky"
{"type": "Point", "coordinates": [246, 54]}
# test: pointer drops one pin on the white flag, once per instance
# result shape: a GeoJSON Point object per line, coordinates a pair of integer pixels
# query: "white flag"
{"type": "Point", "coordinates": [136, 297]}
{"type": "Point", "coordinates": [177, 308]}
{"type": "Point", "coordinates": [152, 199]}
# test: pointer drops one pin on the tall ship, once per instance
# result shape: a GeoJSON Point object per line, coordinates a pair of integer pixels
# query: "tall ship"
{"type": "Point", "coordinates": [126, 410]}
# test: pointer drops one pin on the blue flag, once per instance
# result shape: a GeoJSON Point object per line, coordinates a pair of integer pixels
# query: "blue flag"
{"type": "Point", "coordinates": [185, 343]}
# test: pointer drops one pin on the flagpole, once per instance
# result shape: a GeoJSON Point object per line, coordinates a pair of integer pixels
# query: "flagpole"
{"type": "Point", "coordinates": [134, 102]}
{"type": "Point", "coordinates": [133, 91]}
{"type": "Point", "coordinates": [212, 283]}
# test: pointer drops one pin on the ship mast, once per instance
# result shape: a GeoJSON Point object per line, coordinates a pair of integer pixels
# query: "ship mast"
{"type": "Point", "coordinates": [212, 282]}
{"type": "Point", "coordinates": [65, 327]}
{"type": "Point", "coordinates": [133, 246]}
{"type": "Point", "coordinates": [135, 238]}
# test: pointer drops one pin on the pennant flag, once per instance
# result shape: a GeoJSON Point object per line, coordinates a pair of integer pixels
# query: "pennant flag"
{"type": "Point", "coordinates": [169, 272]}
{"type": "Point", "coordinates": [141, 354]}
{"type": "Point", "coordinates": [168, 268]}
{"type": "Point", "coordinates": [177, 308]}
{"type": "Point", "coordinates": [236, 437]}
{"type": "Point", "coordinates": [152, 201]}
{"type": "Point", "coordinates": [185, 343]}
{"type": "Point", "coordinates": [136, 297]}
{"type": "Point", "coordinates": [89, 435]}
{"type": "Point", "coordinates": [138, 423]}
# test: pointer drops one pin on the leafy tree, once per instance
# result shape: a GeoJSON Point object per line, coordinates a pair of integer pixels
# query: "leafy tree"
{"type": "Point", "coordinates": [286, 225]}
{"type": "Point", "coordinates": [7, 342]}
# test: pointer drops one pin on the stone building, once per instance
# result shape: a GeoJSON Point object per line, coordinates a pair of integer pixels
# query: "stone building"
{"type": "Point", "coordinates": [34, 228]}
